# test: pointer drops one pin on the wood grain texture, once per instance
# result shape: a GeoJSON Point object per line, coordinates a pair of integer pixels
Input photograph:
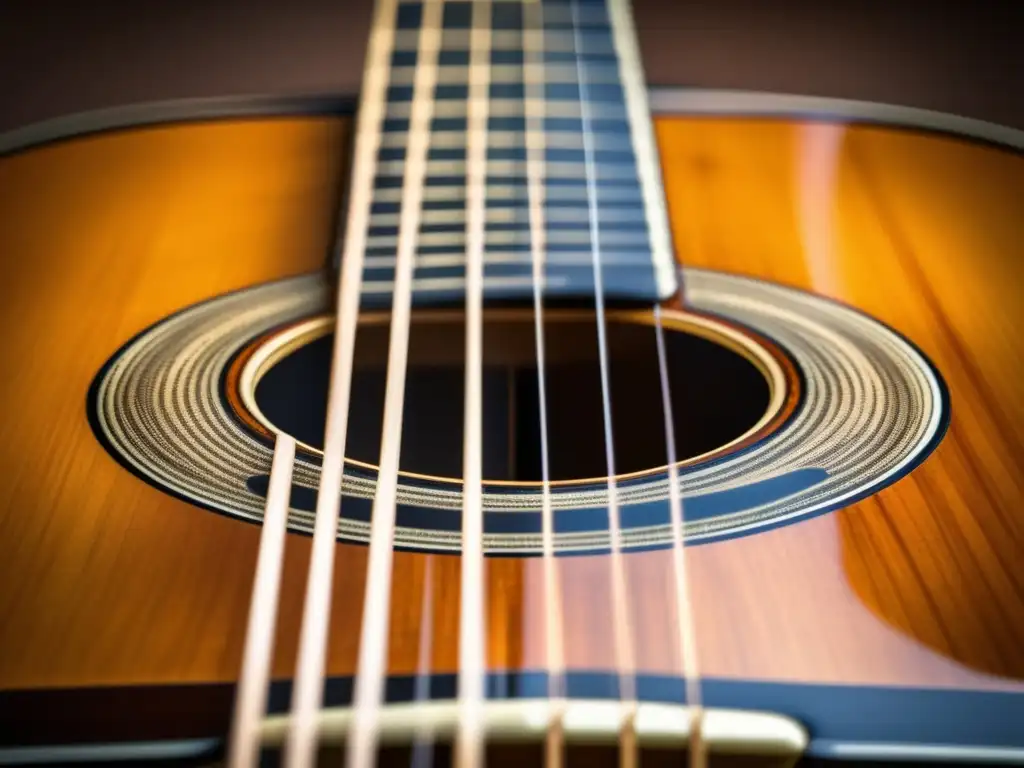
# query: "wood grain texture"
{"type": "Point", "coordinates": [922, 233]}
{"type": "Point", "coordinates": [105, 580]}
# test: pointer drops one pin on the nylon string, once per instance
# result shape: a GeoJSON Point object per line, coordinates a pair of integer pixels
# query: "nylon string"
{"type": "Point", "coordinates": [469, 737]}
{"type": "Point", "coordinates": [622, 624]}
{"type": "Point", "coordinates": [533, 77]}
{"type": "Point", "coordinates": [686, 625]}
{"type": "Point", "coordinates": [423, 739]}
{"type": "Point", "coordinates": [251, 693]}
{"type": "Point", "coordinates": [307, 694]}
{"type": "Point", "coordinates": [642, 134]}
{"type": "Point", "coordinates": [373, 642]}
{"type": "Point", "coordinates": [533, 42]}
{"type": "Point", "coordinates": [371, 669]}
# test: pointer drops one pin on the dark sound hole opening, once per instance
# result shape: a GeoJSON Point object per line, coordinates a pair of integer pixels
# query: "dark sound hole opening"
{"type": "Point", "coordinates": [717, 395]}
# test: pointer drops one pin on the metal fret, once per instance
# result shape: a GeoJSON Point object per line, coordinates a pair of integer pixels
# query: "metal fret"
{"type": "Point", "coordinates": [632, 234]}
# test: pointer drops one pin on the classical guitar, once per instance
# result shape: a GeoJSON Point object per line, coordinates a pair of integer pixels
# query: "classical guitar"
{"type": "Point", "coordinates": [506, 423]}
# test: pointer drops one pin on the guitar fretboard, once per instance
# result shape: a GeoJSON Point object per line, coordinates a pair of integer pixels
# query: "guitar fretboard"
{"type": "Point", "coordinates": [569, 162]}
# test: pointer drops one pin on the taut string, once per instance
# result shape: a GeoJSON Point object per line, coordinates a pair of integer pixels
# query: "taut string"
{"type": "Point", "coordinates": [684, 608]}
{"type": "Point", "coordinates": [469, 738]}
{"type": "Point", "coordinates": [423, 739]}
{"type": "Point", "coordinates": [533, 78]}
{"type": "Point", "coordinates": [373, 642]}
{"type": "Point", "coordinates": [622, 624]}
{"type": "Point", "coordinates": [251, 693]}
{"type": "Point", "coordinates": [307, 695]}
{"type": "Point", "coordinates": [635, 92]}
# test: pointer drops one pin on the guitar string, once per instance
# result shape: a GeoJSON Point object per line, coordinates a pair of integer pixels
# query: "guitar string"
{"type": "Point", "coordinates": [686, 626]}
{"type": "Point", "coordinates": [642, 133]}
{"type": "Point", "coordinates": [606, 403]}
{"type": "Point", "coordinates": [533, 80]}
{"type": "Point", "coordinates": [373, 641]}
{"type": "Point", "coordinates": [423, 739]}
{"type": "Point", "coordinates": [307, 694]}
{"type": "Point", "coordinates": [469, 737]}
{"type": "Point", "coordinates": [622, 629]}
{"type": "Point", "coordinates": [251, 692]}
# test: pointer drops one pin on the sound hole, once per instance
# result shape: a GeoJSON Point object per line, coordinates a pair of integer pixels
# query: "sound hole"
{"type": "Point", "coordinates": [717, 396]}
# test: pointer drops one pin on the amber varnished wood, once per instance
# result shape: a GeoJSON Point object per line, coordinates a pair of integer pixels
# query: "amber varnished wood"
{"type": "Point", "coordinates": [922, 233]}
{"type": "Point", "coordinates": [106, 580]}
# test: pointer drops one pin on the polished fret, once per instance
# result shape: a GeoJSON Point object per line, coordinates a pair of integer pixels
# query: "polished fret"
{"type": "Point", "coordinates": [580, 45]}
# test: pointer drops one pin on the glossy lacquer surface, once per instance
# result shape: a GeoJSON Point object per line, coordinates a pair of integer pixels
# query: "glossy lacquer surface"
{"type": "Point", "coordinates": [105, 580]}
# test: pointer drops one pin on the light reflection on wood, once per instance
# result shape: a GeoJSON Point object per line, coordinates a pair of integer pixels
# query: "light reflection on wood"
{"type": "Point", "coordinates": [106, 580]}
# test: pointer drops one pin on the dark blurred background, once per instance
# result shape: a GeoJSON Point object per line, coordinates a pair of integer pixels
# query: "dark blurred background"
{"type": "Point", "coordinates": [965, 58]}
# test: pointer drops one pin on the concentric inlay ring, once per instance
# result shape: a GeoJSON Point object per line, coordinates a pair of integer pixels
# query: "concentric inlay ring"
{"type": "Point", "coordinates": [872, 409]}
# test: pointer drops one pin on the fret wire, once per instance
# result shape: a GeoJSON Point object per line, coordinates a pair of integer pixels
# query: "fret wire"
{"type": "Point", "coordinates": [599, 71]}
{"type": "Point", "coordinates": [498, 193]}
{"type": "Point", "coordinates": [457, 241]}
{"type": "Point", "coordinates": [495, 273]}
{"type": "Point", "coordinates": [506, 139]}
{"type": "Point", "coordinates": [564, 108]}
{"type": "Point", "coordinates": [456, 258]}
{"type": "Point", "coordinates": [457, 284]}
{"type": "Point", "coordinates": [392, 169]}
{"type": "Point", "coordinates": [500, 215]}
{"type": "Point", "coordinates": [564, 55]}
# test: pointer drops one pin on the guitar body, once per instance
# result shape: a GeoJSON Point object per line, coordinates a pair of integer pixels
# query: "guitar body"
{"type": "Point", "coordinates": [111, 584]}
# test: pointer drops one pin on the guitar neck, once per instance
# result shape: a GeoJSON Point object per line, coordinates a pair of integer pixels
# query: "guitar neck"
{"type": "Point", "coordinates": [568, 172]}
